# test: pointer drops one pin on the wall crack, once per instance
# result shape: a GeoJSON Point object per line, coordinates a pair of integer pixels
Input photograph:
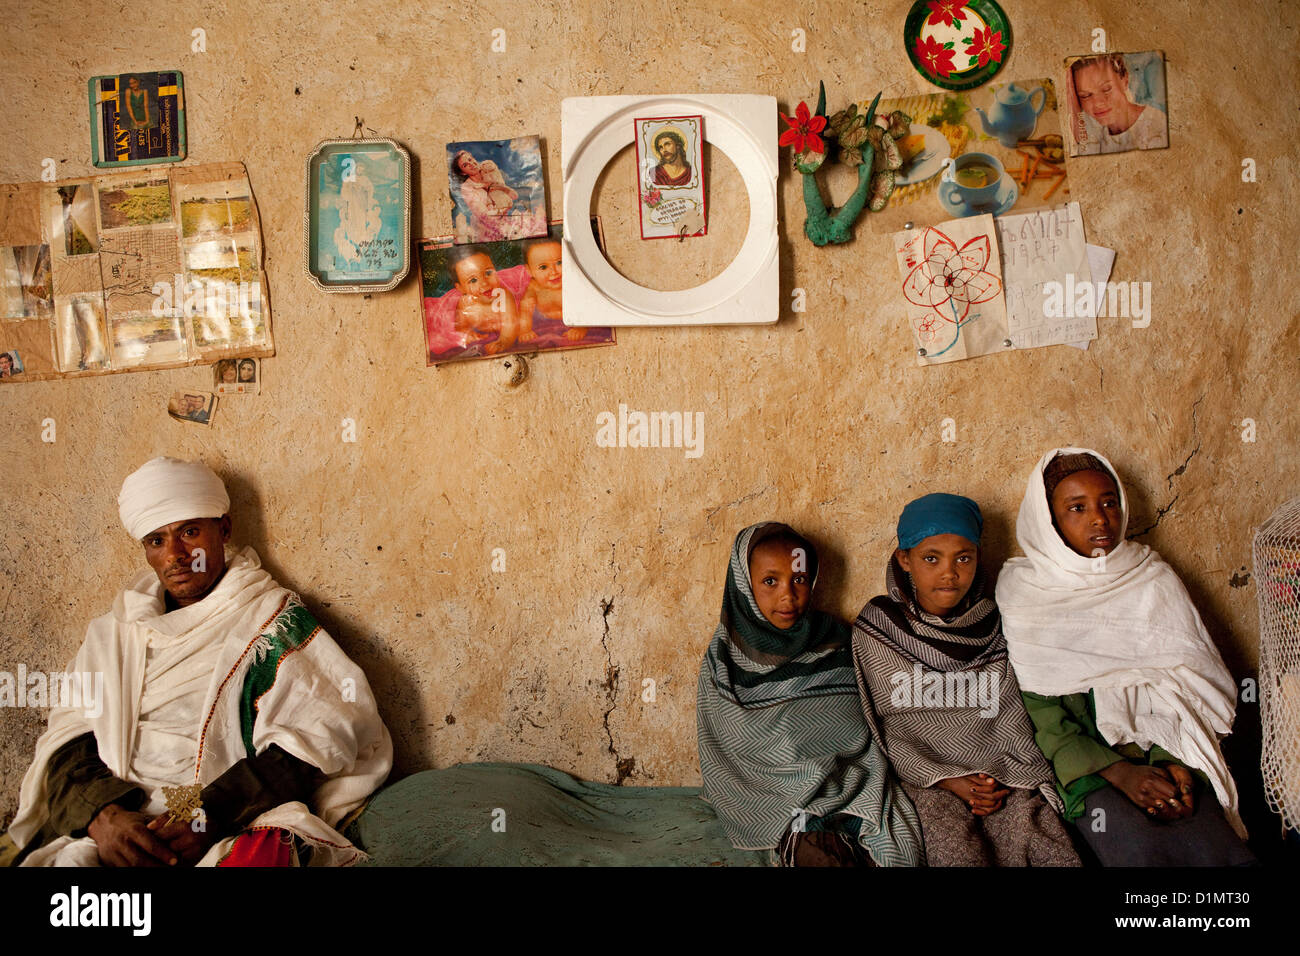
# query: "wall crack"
{"type": "Point", "coordinates": [623, 766]}
{"type": "Point", "coordinates": [730, 504]}
{"type": "Point", "coordinates": [1169, 478]}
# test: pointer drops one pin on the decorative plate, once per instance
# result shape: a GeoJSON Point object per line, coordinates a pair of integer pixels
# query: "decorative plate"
{"type": "Point", "coordinates": [357, 223]}
{"type": "Point", "coordinates": [957, 44]}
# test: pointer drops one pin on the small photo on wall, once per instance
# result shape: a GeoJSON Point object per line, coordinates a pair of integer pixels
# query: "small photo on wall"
{"type": "Point", "coordinates": [497, 190]}
{"type": "Point", "coordinates": [236, 376]}
{"type": "Point", "coordinates": [224, 292]}
{"type": "Point", "coordinates": [670, 165]}
{"type": "Point", "coordinates": [80, 332]}
{"type": "Point", "coordinates": [1116, 102]}
{"type": "Point", "coordinates": [11, 364]}
{"type": "Point", "coordinates": [489, 299]}
{"type": "Point", "coordinates": [130, 201]}
{"type": "Point", "coordinates": [209, 210]}
{"type": "Point", "coordinates": [141, 338]}
{"type": "Point", "coordinates": [26, 284]}
{"type": "Point", "coordinates": [197, 407]}
{"type": "Point", "coordinates": [76, 219]}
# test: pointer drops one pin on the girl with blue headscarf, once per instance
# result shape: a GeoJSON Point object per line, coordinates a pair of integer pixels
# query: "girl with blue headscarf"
{"type": "Point", "coordinates": [932, 664]}
{"type": "Point", "coordinates": [789, 760]}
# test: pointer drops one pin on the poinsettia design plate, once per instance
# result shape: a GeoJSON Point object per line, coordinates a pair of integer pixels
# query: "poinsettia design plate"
{"type": "Point", "coordinates": [957, 44]}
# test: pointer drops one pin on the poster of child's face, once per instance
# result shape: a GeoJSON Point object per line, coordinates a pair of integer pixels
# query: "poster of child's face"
{"type": "Point", "coordinates": [1116, 102]}
{"type": "Point", "coordinates": [10, 364]}
{"type": "Point", "coordinates": [497, 190]}
{"type": "Point", "coordinates": [495, 298]}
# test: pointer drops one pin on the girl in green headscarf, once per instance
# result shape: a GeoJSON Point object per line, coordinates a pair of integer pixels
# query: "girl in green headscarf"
{"type": "Point", "coordinates": [789, 759]}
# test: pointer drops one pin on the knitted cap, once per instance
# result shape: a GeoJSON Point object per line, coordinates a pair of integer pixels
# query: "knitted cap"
{"type": "Point", "coordinates": [1062, 466]}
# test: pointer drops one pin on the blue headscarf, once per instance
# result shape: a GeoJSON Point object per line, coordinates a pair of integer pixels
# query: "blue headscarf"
{"type": "Point", "coordinates": [939, 514]}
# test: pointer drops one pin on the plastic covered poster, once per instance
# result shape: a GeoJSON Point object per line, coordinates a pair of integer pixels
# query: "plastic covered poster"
{"type": "Point", "coordinates": [989, 151]}
{"type": "Point", "coordinates": [1116, 102]}
{"type": "Point", "coordinates": [133, 269]}
{"type": "Point", "coordinates": [487, 299]}
{"type": "Point", "coordinates": [137, 119]}
{"type": "Point", "coordinates": [497, 190]}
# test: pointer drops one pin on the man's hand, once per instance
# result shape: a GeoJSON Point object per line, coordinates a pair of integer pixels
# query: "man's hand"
{"type": "Point", "coordinates": [1152, 789]}
{"type": "Point", "coordinates": [181, 837]}
{"type": "Point", "coordinates": [979, 791]}
{"type": "Point", "coordinates": [124, 839]}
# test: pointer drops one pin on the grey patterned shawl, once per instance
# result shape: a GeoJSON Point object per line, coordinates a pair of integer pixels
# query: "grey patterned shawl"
{"type": "Point", "coordinates": [782, 729]}
{"type": "Point", "coordinates": [943, 691]}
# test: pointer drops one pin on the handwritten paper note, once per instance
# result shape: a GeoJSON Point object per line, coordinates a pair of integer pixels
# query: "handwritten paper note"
{"type": "Point", "coordinates": [952, 283]}
{"type": "Point", "coordinates": [1044, 260]}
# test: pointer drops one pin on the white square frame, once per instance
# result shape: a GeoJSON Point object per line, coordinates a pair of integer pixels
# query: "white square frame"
{"type": "Point", "coordinates": [747, 292]}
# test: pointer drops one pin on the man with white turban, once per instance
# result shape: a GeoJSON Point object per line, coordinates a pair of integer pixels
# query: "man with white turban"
{"type": "Point", "coordinates": [232, 730]}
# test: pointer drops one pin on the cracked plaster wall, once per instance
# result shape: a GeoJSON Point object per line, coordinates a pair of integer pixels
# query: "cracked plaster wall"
{"type": "Point", "coordinates": [615, 558]}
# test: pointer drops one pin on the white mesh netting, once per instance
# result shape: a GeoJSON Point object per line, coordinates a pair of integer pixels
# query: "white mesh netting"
{"type": "Point", "coordinates": [1277, 584]}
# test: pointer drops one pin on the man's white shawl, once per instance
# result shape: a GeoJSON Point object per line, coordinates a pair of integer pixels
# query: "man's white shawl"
{"type": "Point", "coordinates": [318, 706]}
{"type": "Point", "coordinates": [1122, 626]}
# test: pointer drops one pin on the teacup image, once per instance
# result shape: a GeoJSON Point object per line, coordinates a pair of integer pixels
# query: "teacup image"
{"type": "Point", "coordinates": [972, 178]}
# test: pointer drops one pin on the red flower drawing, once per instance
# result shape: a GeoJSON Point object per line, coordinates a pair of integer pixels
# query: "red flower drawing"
{"type": "Point", "coordinates": [802, 134]}
{"type": "Point", "coordinates": [934, 56]}
{"type": "Point", "coordinates": [986, 45]}
{"type": "Point", "coordinates": [945, 12]}
{"type": "Point", "coordinates": [950, 280]}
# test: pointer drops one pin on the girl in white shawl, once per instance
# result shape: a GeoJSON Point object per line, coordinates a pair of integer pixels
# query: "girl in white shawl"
{"type": "Point", "coordinates": [1125, 688]}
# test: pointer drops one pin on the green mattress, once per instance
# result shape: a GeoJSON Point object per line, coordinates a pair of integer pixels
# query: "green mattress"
{"type": "Point", "coordinates": [513, 814]}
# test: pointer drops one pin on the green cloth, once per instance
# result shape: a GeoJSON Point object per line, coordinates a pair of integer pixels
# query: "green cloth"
{"type": "Point", "coordinates": [1065, 729]}
{"type": "Point", "coordinates": [446, 817]}
{"type": "Point", "coordinates": [292, 628]}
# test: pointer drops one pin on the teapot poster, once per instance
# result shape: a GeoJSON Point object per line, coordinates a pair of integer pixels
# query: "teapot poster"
{"type": "Point", "coordinates": [986, 151]}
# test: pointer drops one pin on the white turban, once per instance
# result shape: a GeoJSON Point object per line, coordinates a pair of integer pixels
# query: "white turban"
{"type": "Point", "coordinates": [166, 490]}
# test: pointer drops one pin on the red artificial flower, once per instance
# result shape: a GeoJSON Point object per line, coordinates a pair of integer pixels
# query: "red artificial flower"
{"type": "Point", "coordinates": [934, 56]}
{"type": "Point", "coordinates": [987, 45]}
{"type": "Point", "coordinates": [950, 280]}
{"type": "Point", "coordinates": [802, 134]}
{"type": "Point", "coordinates": [945, 12]}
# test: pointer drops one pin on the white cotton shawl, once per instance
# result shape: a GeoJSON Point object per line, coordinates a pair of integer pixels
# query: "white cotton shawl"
{"type": "Point", "coordinates": [306, 711]}
{"type": "Point", "coordinates": [1122, 627]}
